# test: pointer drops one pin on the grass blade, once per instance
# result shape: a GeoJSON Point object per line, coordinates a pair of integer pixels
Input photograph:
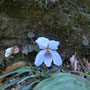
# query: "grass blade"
{"type": "Point", "coordinates": [17, 71]}
{"type": "Point", "coordinates": [29, 86]}
{"type": "Point", "coordinates": [11, 83]}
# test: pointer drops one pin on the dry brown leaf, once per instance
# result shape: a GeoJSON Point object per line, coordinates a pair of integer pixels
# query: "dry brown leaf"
{"type": "Point", "coordinates": [25, 50]}
{"type": "Point", "coordinates": [12, 67]}
{"type": "Point", "coordinates": [86, 63]}
{"type": "Point", "coordinates": [18, 86]}
{"type": "Point", "coordinates": [30, 80]}
{"type": "Point", "coordinates": [74, 62]}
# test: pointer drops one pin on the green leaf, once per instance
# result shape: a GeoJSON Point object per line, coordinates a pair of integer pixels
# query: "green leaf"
{"type": "Point", "coordinates": [55, 70]}
{"type": "Point", "coordinates": [30, 48]}
{"type": "Point", "coordinates": [88, 77]}
{"type": "Point", "coordinates": [17, 71]}
{"type": "Point", "coordinates": [88, 73]}
{"type": "Point", "coordinates": [29, 86]}
{"type": "Point", "coordinates": [1, 89]}
{"type": "Point", "coordinates": [20, 72]}
{"type": "Point", "coordinates": [24, 67]}
{"type": "Point", "coordinates": [11, 83]}
{"type": "Point", "coordinates": [64, 81]}
{"type": "Point", "coordinates": [30, 35]}
{"type": "Point", "coordinates": [27, 77]}
{"type": "Point", "coordinates": [33, 48]}
{"type": "Point", "coordinates": [36, 48]}
{"type": "Point", "coordinates": [51, 71]}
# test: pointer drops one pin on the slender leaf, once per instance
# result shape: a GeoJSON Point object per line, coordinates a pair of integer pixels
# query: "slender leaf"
{"type": "Point", "coordinates": [11, 83]}
{"type": "Point", "coordinates": [17, 71]}
{"type": "Point", "coordinates": [29, 86]}
{"type": "Point", "coordinates": [51, 71]}
{"type": "Point", "coordinates": [23, 79]}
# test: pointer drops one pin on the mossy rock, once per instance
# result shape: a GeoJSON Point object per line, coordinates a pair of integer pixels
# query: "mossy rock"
{"type": "Point", "coordinates": [64, 81]}
{"type": "Point", "coordinates": [65, 21]}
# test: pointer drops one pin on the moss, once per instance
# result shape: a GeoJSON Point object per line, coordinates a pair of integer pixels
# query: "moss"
{"type": "Point", "coordinates": [65, 20]}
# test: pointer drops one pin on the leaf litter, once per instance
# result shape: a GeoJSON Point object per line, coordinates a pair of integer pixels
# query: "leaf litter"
{"type": "Point", "coordinates": [72, 64]}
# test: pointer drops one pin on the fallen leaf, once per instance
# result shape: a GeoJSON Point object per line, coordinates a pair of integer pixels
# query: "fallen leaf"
{"type": "Point", "coordinates": [30, 80]}
{"type": "Point", "coordinates": [12, 67]}
{"type": "Point", "coordinates": [18, 86]}
{"type": "Point", "coordinates": [86, 63]}
{"type": "Point", "coordinates": [74, 62]}
{"type": "Point", "coordinates": [25, 50]}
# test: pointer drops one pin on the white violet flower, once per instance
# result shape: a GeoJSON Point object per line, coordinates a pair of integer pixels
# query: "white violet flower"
{"type": "Point", "coordinates": [11, 50]}
{"type": "Point", "coordinates": [48, 52]}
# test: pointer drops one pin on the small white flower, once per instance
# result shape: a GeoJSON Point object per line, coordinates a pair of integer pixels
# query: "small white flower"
{"type": "Point", "coordinates": [48, 52]}
{"type": "Point", "coordinates": [8, 52]}
{"type": "Point", "coordinates": [11, 50]}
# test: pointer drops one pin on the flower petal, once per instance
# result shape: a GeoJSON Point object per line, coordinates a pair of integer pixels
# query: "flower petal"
{"type": "Point", "coordinates": [48, 59]}
{"type": "Point", "coordinates": [15, 49]}
{"type": "Point", "coordinates": [42, 42]}
{"type": "Point", "coordinates": [53, 44]}
{"type": "Point", "coordinates": [56, 58]}
{"type": "Point", "coordinates": [8, 52]}
{"type": "Point", "coordinates": [40, 58]}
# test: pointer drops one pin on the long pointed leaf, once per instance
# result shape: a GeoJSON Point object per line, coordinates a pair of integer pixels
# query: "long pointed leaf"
{"type": "Point", "coordinates": [29, 86]}
{"type": "Point", "coordinates": [32, 76]}
{"type": "Point", "coordinates": [52, 70]}
{"type": "Point", "coordinates": [11, 83]}
{"type": "Point", "coordinates": [21, 70]}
